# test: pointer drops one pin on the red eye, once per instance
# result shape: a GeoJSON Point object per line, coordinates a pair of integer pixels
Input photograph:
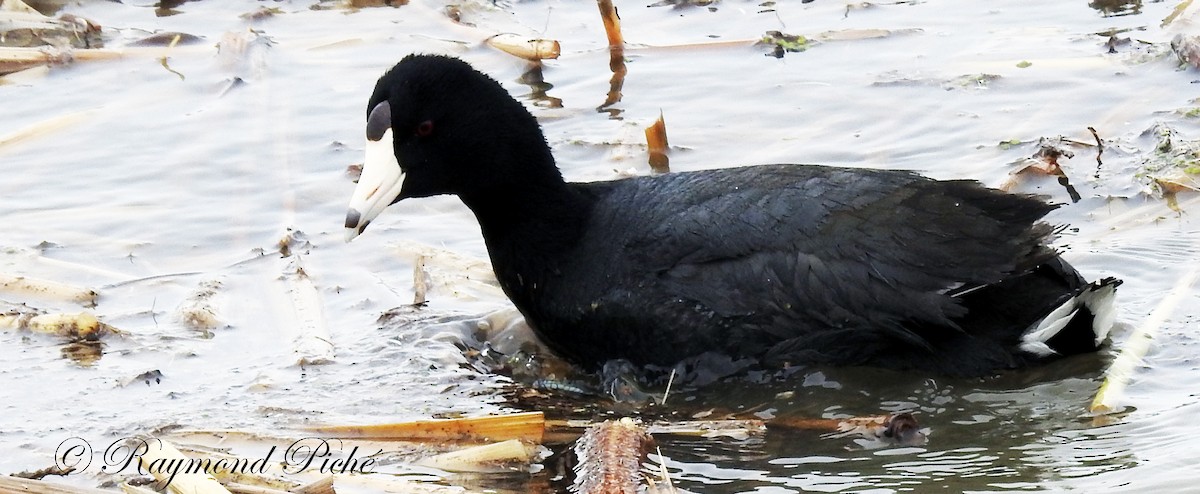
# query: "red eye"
{"type": "Point", "coordinates": [425, 129]}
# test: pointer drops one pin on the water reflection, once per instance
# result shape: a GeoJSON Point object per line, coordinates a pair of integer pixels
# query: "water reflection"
{"type": "Point", "coordinates": [539, 87]}
{"type": "Point", "coordinates": [1008, 432]}
{"type": "Point", "coordinates": [615, 83]}
{"type": "Point", "coordinates": [1117, 7]}
{"type": "Point", "coordinates": [982, 433]}
{"type": "Point", "coordinates": [166, 8]}
{"type": "Point", "coordinates": [46, 7]}
{"type": "Point", "coordinates": [616, 60]}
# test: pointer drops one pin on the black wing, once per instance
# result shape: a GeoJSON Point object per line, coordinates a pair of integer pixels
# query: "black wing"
{"type": "Point", "coordinates": [792, 251]}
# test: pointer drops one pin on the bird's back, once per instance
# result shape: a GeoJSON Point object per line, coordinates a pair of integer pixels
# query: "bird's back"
{"type": "Point", "coordinates": [793, 263]}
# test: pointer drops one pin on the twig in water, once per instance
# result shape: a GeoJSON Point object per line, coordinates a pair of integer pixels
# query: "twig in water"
{"type": "Point", "coordinates": [666, 392]}
{"type": "Point", "coordinates": [420, 282]}
{"type": "Point", "coordinates": [663, 473]}
{"type": "Point", "coordinates": [1119, 373]}
{"type": "Point", "coordinates": [1175, 13]}
{"type": "Point", "coordinates": [1099, 150]}
{"type": "Point", "coordinates": [163, 59]}
{"type": "Point", "coordinates": [150, 278]}
{"type": "Point", "coordinates": [56, 470]}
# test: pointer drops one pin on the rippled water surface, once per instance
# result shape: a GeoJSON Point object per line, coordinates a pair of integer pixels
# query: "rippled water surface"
{"type": "Point", "coordinates": [151, 178]}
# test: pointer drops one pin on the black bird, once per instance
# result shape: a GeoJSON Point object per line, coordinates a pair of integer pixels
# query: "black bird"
{"type": "Point", "coordinates": [788, 264]}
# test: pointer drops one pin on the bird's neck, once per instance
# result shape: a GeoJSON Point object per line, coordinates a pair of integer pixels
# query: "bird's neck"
{"type": "Point", "coordinates": [530, 229]}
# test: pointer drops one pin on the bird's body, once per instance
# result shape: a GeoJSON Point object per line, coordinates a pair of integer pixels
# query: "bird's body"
{"type": "Point", "coordinates": [789, 264]}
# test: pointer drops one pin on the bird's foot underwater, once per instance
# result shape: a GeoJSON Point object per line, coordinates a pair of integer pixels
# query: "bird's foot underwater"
{"type": "Point", "coordinates": [541, 373]}
{"type": "Point", "coordinates": [547, 374]}
{"type": "Point", "coordinates": [621, 382]}
{"type": "Point", "coordinates": [627, 383]}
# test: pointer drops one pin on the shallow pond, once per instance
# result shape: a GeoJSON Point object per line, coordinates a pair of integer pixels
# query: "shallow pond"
{"type": "Point", "coordinates": [151, 178]}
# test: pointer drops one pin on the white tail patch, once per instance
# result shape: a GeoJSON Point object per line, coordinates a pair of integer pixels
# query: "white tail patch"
{"type": "Point", "coordinates": [1034, 340]}
{"type": "Point", "coordinates": [1097, 299]}
{"type": "Point", "coordinates": [1100, 301]}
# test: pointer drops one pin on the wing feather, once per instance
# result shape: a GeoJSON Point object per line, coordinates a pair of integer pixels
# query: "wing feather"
{"type": "Point", "coordinates": [803, 248]}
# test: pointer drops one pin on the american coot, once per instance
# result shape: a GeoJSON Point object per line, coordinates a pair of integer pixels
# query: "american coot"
{"type": "Point", "coordinates": [789, 264]}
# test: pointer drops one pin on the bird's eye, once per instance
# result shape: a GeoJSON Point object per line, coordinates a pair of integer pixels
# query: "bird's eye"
{"type": "Point", "coordinates": [425, 129]}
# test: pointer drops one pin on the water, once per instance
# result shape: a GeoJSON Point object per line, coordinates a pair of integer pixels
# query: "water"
{"type": "Point", "coordinates": [154, 184]}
